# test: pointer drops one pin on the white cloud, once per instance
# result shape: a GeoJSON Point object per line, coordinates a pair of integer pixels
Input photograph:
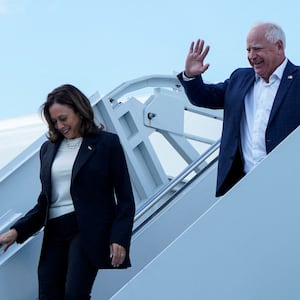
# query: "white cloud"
{"type": "Point", "coordinates": [23, 121]}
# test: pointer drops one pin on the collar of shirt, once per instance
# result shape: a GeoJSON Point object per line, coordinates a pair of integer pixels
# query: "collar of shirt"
{"type": "Point", "coordinates": [277, 73]}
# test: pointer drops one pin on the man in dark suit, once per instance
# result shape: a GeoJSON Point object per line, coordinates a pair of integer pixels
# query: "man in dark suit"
{"type": "Point", "coordinates": [261, 104]}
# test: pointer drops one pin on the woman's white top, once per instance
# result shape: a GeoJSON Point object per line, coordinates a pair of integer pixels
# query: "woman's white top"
{"type": "Point", "coordinates": [61, 173]}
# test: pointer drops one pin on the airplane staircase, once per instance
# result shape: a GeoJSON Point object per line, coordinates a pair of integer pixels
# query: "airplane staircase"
{"type": "Point", "coordinates": [186, 244]}
{"type": "Point", "coordinates": [245, 247]}
{"type": "Point", "coordinates": [171, 149]}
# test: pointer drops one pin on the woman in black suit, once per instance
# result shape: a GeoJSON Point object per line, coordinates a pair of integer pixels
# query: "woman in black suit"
{"type": "Point", "coordinates": [86, 203]}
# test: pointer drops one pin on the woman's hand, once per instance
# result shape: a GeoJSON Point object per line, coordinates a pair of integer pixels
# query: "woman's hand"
{"type": "Point", "coordinates": [117, 254]}
{"type": "Point", "coordinates": [8, 238]}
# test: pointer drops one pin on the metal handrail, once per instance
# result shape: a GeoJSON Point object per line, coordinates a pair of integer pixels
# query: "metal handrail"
{"type": "Point", "coordinates": [169, 186]}
{"type": "Point", "coordinates": [154, 81]}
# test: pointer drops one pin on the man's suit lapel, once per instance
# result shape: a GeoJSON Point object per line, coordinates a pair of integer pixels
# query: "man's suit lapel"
{"type": "Point", "coordinates": [286, 82]}
{"type": "Point", "coordinates": [245, 84]}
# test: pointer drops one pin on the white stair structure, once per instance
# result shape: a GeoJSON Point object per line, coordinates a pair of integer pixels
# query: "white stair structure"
{"type": "Point", "coordinates": [187, 244]}
{"type": "Point", "coordinates": [246, 246]}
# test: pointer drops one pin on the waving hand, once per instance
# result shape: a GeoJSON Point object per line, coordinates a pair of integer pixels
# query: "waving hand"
{"type": "Point", "coordinates": [194, 64]}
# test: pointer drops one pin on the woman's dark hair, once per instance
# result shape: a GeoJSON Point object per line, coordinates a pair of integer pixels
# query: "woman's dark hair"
{"type": "Point", "coordinates": [71, 96]}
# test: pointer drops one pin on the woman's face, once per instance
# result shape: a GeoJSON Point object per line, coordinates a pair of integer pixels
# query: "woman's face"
{"type": "Point", "coordinates": [65, 120]}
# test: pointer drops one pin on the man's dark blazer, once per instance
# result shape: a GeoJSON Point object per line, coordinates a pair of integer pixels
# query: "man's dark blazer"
{"type": "Point", "coordinates": [230, 95]}
{"type": "Point", "coordinates": [99, 176]}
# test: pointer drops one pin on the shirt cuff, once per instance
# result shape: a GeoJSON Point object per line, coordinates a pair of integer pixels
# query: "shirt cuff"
{"type": "Point", "coordinates": [185, 78]}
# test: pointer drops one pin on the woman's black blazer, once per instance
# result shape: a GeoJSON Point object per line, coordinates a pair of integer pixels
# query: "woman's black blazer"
{"type": "Point", "coordinates": [102, 196]}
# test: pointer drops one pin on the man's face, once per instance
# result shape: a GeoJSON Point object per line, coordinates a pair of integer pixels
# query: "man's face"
{"type": "Point", "coordinates": [263, 55]}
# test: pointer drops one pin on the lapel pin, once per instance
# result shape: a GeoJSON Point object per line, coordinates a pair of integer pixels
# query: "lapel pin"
{"type": "Point", "coordinates": [90, 148]}
{"type": "Point", "coordinates": [290, 77]}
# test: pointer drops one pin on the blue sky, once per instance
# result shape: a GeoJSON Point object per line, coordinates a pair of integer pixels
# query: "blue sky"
{"type": "Point", "coordinates": [97, 45]}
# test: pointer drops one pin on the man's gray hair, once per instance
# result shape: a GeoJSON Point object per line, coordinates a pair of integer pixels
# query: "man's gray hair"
{"type": "Point", "coordinates": [274, 33]}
